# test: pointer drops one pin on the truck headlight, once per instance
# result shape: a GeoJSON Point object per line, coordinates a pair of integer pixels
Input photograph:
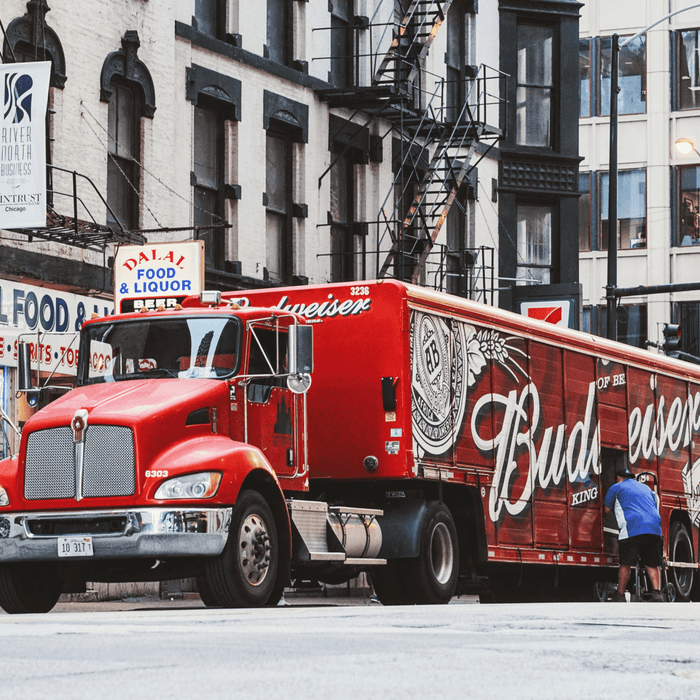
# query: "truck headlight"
{"type": "Point", "coordinates": [4, 498]}
{"type": "Point", "coordinates": [202, 485]}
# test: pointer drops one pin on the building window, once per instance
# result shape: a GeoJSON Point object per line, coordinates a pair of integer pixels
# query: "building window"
{"type": "Point", "coordinates": [595, 86]}
{"type": "Point", "coordinates": [455, 60]}
{"type": "Point", "coordinates": [534, 244]}
{"type": "Point", "coordinates": [584, 212]}
{"type": "Point", "coordinates": [631, 210]}
{"type": "Point", "coordinates": [341, 43]}
{"type": "Point", "coordinates": [457, 255]}
{"type": "Point", "coordinates": [688, 73]}
{"type": "Point", "coordinates": [342, 219]}
{"type": "Point", "coordinates": [689, 317]}
{"type": "Point", "coordinates": [279, 193]}
{"type": "Point", "coordinates": [208, 182]}
{"type": "Point", "coordinates": [631, 323]}
{"type": "Point", "coordinates": [584, 72]}
{"type": "Point", "coordinates": [124, 125]}
{"type": "Point", "coordinates": [280, 31]}
{"type": "Point", "coordinates": [689, 206]}
{"type": "Point", "coordinates": [210, 16]}
{"type": "Point", "coordinates": [535, 86]}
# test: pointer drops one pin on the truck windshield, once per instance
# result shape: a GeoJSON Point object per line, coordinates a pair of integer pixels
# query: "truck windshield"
{"type": "Point", "coordinates": [185, 348]}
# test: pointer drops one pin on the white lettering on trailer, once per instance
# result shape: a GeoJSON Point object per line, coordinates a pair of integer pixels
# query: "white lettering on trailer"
{"type": "Point", "coordinates": [577, 460]}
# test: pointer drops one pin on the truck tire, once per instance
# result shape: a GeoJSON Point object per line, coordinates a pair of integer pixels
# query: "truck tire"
{"type": "Point", "coordinates": [244, 574]}
{"type": "Point", "coordinates": [206, 594]}
{"type": "Point", "coordinates": [431, 578]}
{"type": "Point", "coordinates": [388, 582]}
{"type": "Point", "coordinates": [680, 549]}
{"type": "Point", "coordinates": [28, 588]}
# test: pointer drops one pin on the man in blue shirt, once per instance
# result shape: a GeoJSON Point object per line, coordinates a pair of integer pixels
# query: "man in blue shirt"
{"type": "Point", "coordinates": [638, 519]}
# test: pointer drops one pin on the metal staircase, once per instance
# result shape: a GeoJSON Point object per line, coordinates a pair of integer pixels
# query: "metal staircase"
{"type": "Point", "coordinates": [453, 154]}
{"type": "Point", "coordinates": [439, 150]}
{"type": "Point", "coordinates": [411, 42]}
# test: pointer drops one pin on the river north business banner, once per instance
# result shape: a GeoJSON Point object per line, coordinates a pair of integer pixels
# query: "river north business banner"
{"type": "Point", "coordinates": [25, 91]}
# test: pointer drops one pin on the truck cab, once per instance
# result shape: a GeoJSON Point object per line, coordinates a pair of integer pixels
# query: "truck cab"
{"type": "Point", "coordinates": [186, 425]}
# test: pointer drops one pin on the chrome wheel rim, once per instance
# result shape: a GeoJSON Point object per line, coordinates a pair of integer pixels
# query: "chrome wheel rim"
{"type": "Point", "coordinates": [441, 553]}
{"type": "Point", "coordinates": [254, 549]}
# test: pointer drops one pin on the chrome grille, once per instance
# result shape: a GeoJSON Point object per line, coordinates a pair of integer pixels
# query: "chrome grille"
{"type": "Point", "coordinates": [108, 466]}
{"type": "Point", "coordinates": [108, 463]}
{"type": "Point", "coordinates": [50, 470]}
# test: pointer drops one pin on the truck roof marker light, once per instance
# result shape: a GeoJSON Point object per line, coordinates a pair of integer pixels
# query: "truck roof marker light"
{"type": "Point", "coordinates": [160, 308]}
{"type": "Point", "coordinates": [143, 310]}
{"type": "Point", "coordinates": [210, 297]}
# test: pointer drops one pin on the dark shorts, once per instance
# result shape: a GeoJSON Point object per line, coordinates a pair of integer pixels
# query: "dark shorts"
{"type": "Point", "coordinates": [648, 547]}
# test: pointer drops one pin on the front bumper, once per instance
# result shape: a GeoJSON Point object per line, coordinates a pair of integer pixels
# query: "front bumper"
{"type": "Point", "coordinates": [116, 534]}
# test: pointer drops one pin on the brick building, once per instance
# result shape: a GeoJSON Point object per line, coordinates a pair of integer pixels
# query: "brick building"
{"type": "Point", "coordinates": [304, 142]}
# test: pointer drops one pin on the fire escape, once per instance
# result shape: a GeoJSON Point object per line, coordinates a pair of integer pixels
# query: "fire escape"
{"type": "Point", "coordinates": [441, 141]}
{"type": "Point", "coordinates": [72, 202]}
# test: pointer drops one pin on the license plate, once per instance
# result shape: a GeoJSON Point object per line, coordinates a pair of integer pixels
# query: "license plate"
{"type": "Point", "coordinates": [75, 547]}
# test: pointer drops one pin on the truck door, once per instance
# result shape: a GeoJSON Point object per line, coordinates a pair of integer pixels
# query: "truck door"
{"type": "Point", "coordinates": [273, 414]}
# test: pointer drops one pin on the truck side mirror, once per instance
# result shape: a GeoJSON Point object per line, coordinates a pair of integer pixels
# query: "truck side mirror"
{"type": "Point", "coordinates": [301, 350]}
{"type": "Point", "coordinates": [301, 363]}
{"type": "Point", "coordinates": [24, 378]}
{"type": "Point", "coordinates": [24, 364]}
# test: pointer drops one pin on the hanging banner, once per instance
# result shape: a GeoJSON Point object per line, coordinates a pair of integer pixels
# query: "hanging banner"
{"type": "Point", "coordinates": [25, 92]}
{"type": "Point", "coordinates": [157, 274]}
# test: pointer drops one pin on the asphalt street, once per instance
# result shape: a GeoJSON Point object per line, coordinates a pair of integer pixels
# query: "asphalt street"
{"type": "Point", "coordinates": [322, 649]}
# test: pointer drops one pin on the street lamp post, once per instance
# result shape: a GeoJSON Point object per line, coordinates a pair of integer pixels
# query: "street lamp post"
{"type": "Point", "coordinates": [611, 287]}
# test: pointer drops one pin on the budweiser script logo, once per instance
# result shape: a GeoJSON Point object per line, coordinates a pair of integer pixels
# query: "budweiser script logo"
{"type": "Point", "coordinates": [546, 467]}
{"type": "Point", "coordinates": [651, 433]}
{"type": "Point", "coordinates": [316, 311]}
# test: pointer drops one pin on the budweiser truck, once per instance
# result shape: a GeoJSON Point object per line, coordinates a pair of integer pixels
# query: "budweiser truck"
{"type": "Point", "coordinates": [252, 439]}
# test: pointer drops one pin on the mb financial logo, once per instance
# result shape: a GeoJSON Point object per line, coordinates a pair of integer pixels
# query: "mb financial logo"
{"type": "Point", "coordinates": [17, 101]}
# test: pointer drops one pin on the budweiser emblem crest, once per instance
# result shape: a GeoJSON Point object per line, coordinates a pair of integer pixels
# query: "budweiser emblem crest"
{"type": "Point", "coordinates": [437, 380]}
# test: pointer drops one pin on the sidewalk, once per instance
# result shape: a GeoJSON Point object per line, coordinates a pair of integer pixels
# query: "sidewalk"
{"type": "Point", "coordinates": [192, 601]}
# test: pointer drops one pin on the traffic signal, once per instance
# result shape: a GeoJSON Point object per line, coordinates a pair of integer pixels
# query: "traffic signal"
{"type": "Point", "coordinates": [672, 338]}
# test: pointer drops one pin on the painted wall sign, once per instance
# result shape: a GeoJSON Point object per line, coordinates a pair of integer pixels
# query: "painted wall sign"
{"type": "Point", "coordinates": [48, 320]}
{"type": "Point", "coordinates": [25, 91]}
{"type": "Point", "coordinates": [159, 274]}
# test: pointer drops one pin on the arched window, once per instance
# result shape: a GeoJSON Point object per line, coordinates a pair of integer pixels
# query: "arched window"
{"type": "Point", "coordinates": [29, 38]}
{"type": "Point", "coordinates": [127, 86]}
{"type": "Point", "coordinates": [123, 157]}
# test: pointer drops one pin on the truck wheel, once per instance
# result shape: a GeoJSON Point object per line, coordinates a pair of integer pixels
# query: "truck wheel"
{"type": "Point", "coordinates": [680, 550]}
{"type": "Point", "coordinates": [206, 594]}
{"type": "Point", "coordinates": [28, 588]}
{"type": "Point", "coordinates": [431, 578]}
{"type": "Point", "coordinates": [244, 574]}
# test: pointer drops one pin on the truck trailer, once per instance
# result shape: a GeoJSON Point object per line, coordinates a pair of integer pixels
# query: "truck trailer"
{"type": "Point", "coordinates": [250, 439]}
